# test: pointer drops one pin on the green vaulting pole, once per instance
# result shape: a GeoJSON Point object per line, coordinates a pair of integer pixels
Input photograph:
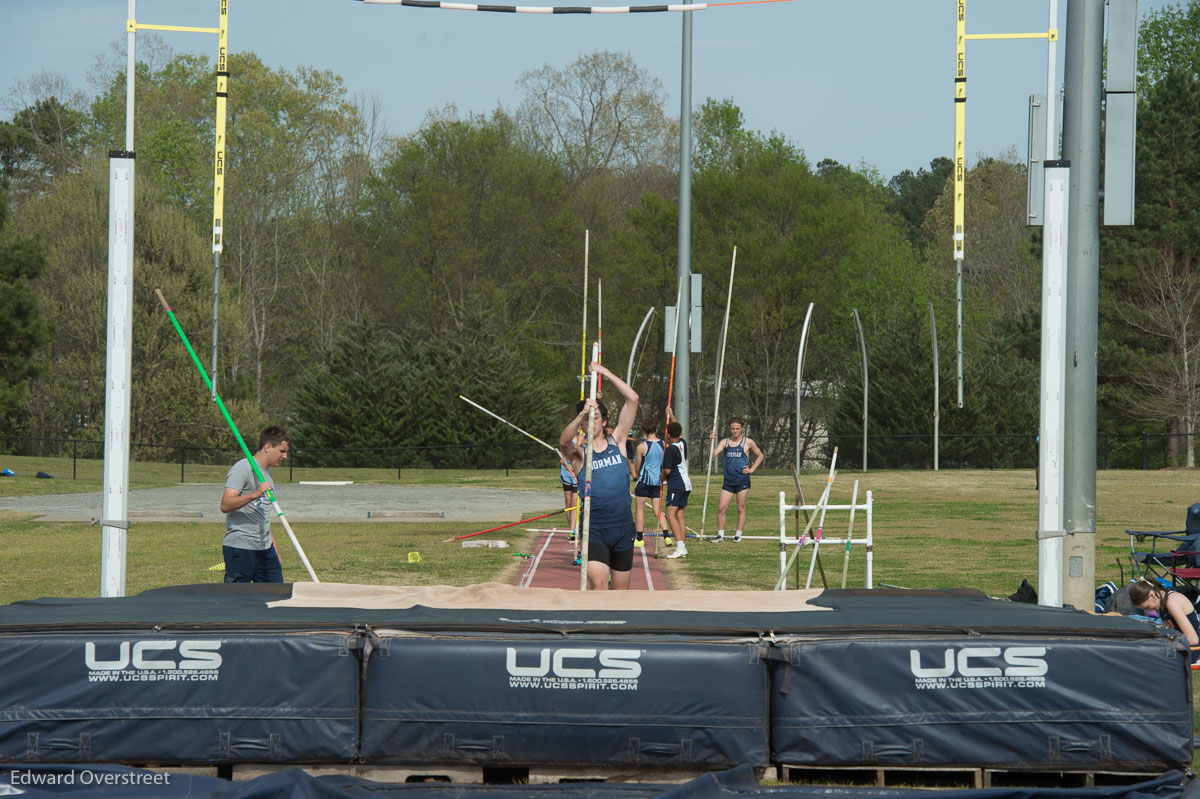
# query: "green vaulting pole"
{"type": "Point", "coordinates": [245, 450]}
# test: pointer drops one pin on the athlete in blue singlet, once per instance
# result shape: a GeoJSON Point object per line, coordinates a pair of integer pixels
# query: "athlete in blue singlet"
{"type": "Point", "coordinates": [648, 464]}
{"type": "Point", "coordinates": [679, 484]}
{"type": "Point", "coordinates": [736, 451]}
{"type": "Point", "coordinates": [610, 524]}
{"type": "Point", "coordinates": [570, 487]}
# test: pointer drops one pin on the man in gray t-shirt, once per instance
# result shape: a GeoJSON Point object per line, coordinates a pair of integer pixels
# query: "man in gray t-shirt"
{"type": "Point", "coordinates": [249, 550]}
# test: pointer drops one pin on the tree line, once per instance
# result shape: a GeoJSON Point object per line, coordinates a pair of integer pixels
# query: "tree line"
{"type": "Point", "coordinates": [369, 279]}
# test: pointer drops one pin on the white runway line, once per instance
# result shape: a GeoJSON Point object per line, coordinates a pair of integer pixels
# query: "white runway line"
{"type": "Point", "coordinates": [527, 577]}
{"type": "Point", "coordinates": [646, 569]}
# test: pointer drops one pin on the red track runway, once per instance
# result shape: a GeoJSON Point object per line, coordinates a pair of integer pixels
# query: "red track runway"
{"type": "Point", "coordinates": [552, 565]}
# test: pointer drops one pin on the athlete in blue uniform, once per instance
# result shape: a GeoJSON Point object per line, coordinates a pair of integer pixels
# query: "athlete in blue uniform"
{"type": "Point", "coordinates": [679, 484]}
{"type": "Point", "coordinates": [648, 465]}
{"type": "Point", "coordinates": [570, 487]}
{"type": "Point", "coordinates": [736, 450]}
{"type": "Point", "coordinates": [610, 526]}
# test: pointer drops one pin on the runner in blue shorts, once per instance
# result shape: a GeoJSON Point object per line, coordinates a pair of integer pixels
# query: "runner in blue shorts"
{"type": "Point", "coordinates": [648, 464]}
{"type": "Point", "coordinates": [679, 484]}
{"type": "Point", "coordinates": [736, 451]}
{"type": "Point", "coordinates": [570, 487]}
{"type": "Point", "coordinates": [610, 526]}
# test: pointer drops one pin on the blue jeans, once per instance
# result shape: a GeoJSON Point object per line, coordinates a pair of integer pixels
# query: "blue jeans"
{"type": "Point", "coordinates": [252, 565]}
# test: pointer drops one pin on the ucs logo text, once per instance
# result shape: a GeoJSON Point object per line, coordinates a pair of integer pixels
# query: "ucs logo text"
{"type": "Point", "coordinates": [194, 656]}
{"type": "Point", "coordinates": [614, 663]}
{"type": "Point", "coordinates": [984, 661]}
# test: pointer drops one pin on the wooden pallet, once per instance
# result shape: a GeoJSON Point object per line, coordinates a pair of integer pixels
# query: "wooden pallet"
{"type": "Point", "coordinates": [955, 777]}
{"type": "Point", "coordinates": [492, 775]}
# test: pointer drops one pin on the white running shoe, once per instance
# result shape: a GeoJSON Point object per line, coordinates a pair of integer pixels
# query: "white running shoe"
{"type": "Point", "coordinates": [737, 537]}
{"type": "Point", "coordinates": [720, 539]}
{"type": "Point", "coordinates": [680, 552]}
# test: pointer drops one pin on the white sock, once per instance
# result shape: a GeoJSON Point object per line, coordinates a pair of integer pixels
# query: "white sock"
{"type": "Point", "coordinates": [720, 533]}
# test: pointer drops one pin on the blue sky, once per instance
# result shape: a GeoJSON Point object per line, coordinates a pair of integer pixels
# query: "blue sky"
{"type": "Point", "coordinates": [861, 82]}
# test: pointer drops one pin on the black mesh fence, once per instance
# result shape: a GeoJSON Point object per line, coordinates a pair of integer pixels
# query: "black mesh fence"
{"type": "Point", "coordinates": [83, 459]}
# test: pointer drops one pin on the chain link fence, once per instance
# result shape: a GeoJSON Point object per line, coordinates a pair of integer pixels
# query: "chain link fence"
{"type": "Point", "coordinates": [82, 459]}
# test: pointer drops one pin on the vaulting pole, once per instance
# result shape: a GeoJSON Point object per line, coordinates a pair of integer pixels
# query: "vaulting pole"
{"type": "Point", "coordinates": [587, 479]}
{"type": "Point", "coordinates": [800, 378]}
{"type": "Point", "coordinates": [820, 506]}
{"type": "Point", "coordinates": [583, 339]}
{"type": "Point", "coordinates": [233, 428]}
{"type": "Point", "coordinates": [636, 339]}
{"type": "Point", "coordinates": [662, 488]}
{"type": "Point", "coordinates": [600, 333]}
{"type": "Point", "coordinates": [510, 524]}
{"type": "Point", "coordinates": [849, 534]}
{"type": "Point", "coordinates": [712, 441]}
{"type": "Point", "coordinates": [510, 424]}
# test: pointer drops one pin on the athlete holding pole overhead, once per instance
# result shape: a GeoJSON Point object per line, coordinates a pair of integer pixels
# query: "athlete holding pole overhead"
{"type": "Point", "coordinates": [610, 526]}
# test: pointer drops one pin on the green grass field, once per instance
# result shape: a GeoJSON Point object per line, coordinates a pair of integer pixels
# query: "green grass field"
{"type": "Point", "coordinates": [932, 530]}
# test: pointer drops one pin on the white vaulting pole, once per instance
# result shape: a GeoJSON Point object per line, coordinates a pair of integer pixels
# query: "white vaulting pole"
{"type": "Point", "coordinates": [820, 527]}
{"type": "Point", "coordinates": [587, 479]}
{"type": "Point", "coordinates": [712, 441]}
{"type": "Point", "coordinates": [583, 339]}
{"type": "Point", "coordinates": [600, 332]}
{"type": "Point", "coordinates": [800, 379]}
{"type": "Point", "coordinates": [636, 339]}
{"type": "Point", "coordinates": [510, 424]}
{"type": "Point", "coordinates": [821, 503]}
{"type": "Point", "coordinates": [850, 534]}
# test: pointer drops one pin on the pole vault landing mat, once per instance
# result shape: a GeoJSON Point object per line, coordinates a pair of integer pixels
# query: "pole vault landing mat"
{"type": "Point", "coordinates": [503, 677]}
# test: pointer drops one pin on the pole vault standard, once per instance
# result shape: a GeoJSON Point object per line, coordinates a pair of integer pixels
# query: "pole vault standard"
{"type": "Point", "coordinates": [587, 479]}
{"type": "Point", "coordinates": [114, 522]}
{"type": "Point", "coordinates": [233, 428]}
{"type": "Point", "coordinates": [712, 441]}
{"type": "Point", "coordinates": [222, 95]}
{"type": "Point", "coordinates": [960, 143]}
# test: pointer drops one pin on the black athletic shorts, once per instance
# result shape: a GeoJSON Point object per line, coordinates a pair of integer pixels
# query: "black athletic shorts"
{"type": "Point", "coordinates": [617, 561]}
{"type": "Point", "coordinates": [733, 489]}
{"type": "Point", "coordinates": [615, 539]}
{"type": "Point", "coordinates": [647, 490]}
{"type": "Point", "coordinates": [677, 499]}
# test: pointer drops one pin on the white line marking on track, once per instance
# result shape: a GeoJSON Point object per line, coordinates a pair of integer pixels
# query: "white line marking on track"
{"type": "Point", "coordinates": [527, 577]}
{"type": "Point", "coordinates": [646, 569]}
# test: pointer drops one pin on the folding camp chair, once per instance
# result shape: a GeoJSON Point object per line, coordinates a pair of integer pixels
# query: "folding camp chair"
{"type": "Point", "coordinates": [1173, 557]}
